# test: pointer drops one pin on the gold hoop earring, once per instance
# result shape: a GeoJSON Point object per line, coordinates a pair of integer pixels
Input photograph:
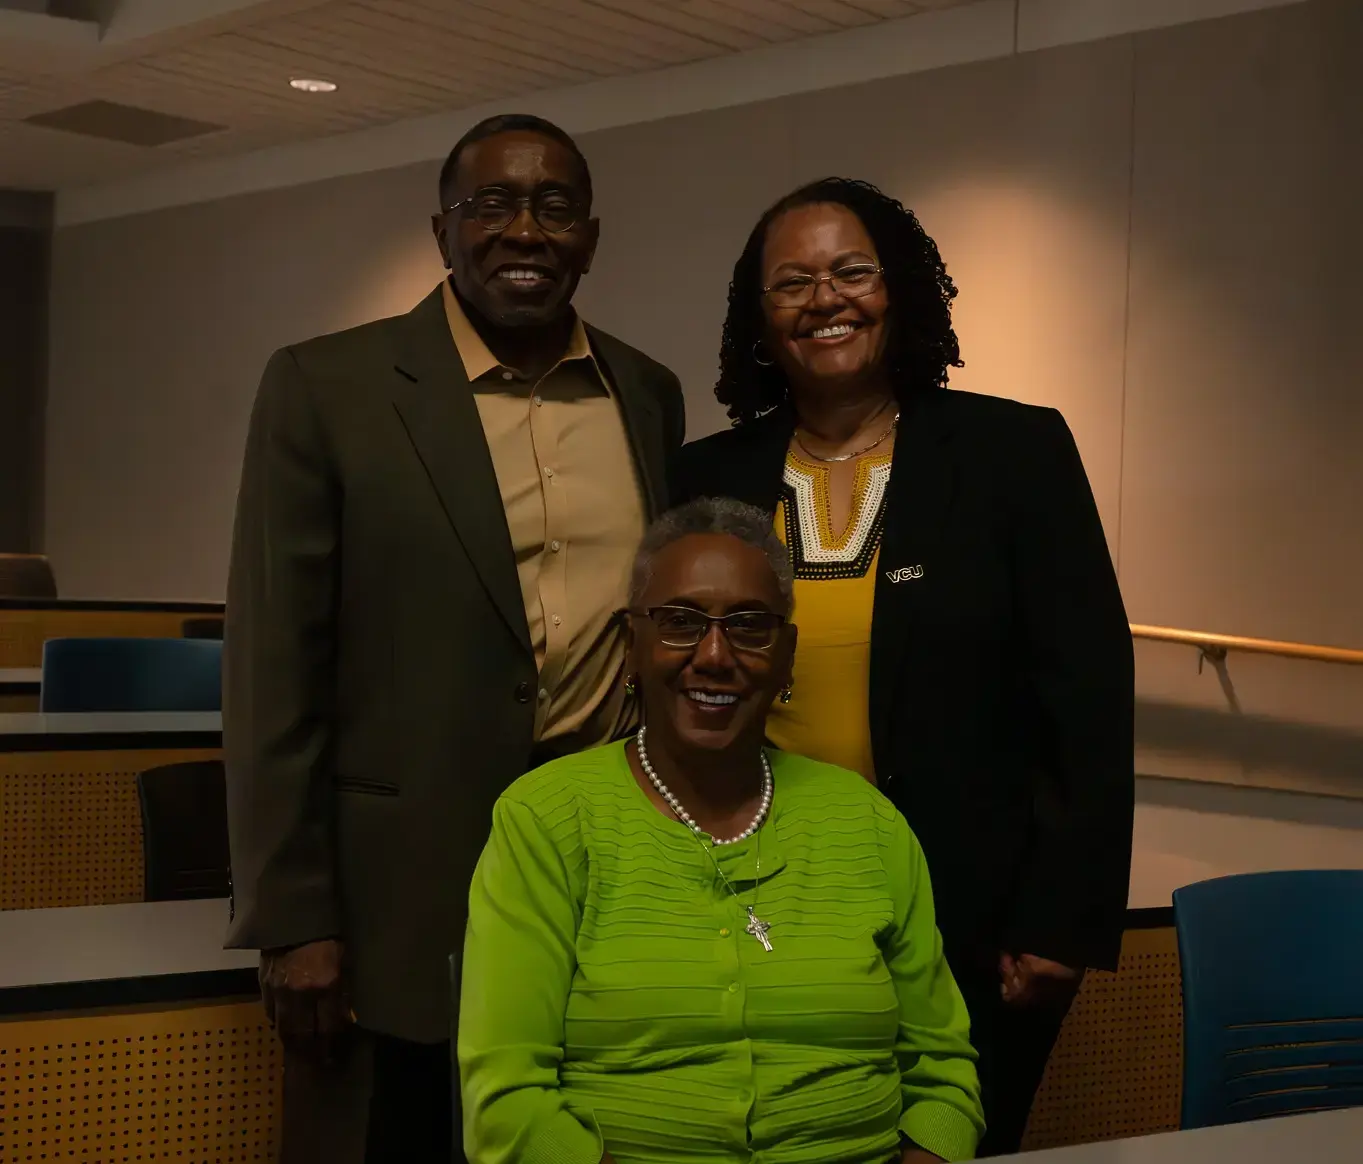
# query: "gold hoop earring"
{"type": "Point", "coordinates": [758, 360]}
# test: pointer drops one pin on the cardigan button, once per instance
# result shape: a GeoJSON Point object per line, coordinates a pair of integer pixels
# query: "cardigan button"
{"type": "Point", "coordinates": [522, 693]}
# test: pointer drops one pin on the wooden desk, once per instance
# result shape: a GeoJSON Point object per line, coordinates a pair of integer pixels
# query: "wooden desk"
{"type": "Point", "coordinates": [46, 948]}
{"type": "Point", "coordinates": [90, 730]}
{"type": "Point", "coordinates": [27, 623]}
{"type": "Point", "coordinates": [1333, 1137]}
{"type": "Point", "coordinates": [70, 823]}
{"type": "Point", "coordinates": [139, 1036]}
{"type": "Point", "coordinates": [1117, 1068]}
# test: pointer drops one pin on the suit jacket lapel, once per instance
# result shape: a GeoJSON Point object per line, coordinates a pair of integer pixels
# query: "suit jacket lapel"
{"type": "Point", "coordinates": [767, 459]}
{"type": "Point", "coordinates": [922, 489]}
{"type": "Point", "coordinates": [641, 411]}
{"type": "Point", "coordinates": [922, 483]}
{"type": "Point", "coordinates": [752, 468]}
{"type": "Point", "coordinates": [433, 397]}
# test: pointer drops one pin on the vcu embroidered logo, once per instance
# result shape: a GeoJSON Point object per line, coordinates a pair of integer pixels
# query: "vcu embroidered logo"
{"type": "Point", "coordinates": [904, 573]}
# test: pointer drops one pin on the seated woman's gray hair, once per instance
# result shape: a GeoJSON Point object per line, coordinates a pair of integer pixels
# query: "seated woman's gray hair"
{"type": "Point", "coordinates": [714, 515]}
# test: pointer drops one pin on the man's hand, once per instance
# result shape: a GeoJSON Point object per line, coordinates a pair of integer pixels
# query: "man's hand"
{"type": "Point", "coordinates": [305, 997]}
{"type": "Point", "coordinates": [1027, 980]}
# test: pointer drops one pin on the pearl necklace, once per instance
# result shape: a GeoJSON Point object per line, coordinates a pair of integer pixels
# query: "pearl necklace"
{"type": "Point", "coordinates": [685, 817]}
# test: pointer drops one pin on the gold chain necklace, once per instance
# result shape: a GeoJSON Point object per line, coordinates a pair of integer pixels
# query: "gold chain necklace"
{"type": "Point", "coordinates": [847, 456]}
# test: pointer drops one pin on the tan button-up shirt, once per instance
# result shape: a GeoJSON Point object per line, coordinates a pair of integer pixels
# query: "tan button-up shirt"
{"type": "Point", "coordinates": [575, 510]}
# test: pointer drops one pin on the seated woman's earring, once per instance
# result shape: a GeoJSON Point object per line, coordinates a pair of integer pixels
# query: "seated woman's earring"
{"type": "Point", "coordinates": [757, 354]}
{"type": "Point", "coordinates": [786, 694]}
{"type": "Point", "coordinates": [629, 687]}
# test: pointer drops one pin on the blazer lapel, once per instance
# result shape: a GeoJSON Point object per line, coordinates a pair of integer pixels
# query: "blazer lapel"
{"type": "Point", "coordinates": [922, 489]}
{"type": "Point", "coordinates": [766, 460]}
{"type": "Point", "coordinates": [433, 397]}
{"type": "Point", "coordinates": [752, 467]}
{"type": "Point", "coordinates": [922, 484]}
{"type": "Point", "coordinates": [642, 416]}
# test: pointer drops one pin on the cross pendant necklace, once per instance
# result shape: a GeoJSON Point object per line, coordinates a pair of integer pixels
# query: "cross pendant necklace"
{"type": "Point", "coordinates": [758, 928]}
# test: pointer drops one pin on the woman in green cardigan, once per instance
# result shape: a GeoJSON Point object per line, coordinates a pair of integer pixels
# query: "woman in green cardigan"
{"type": "Point", "coordinates": [689, 947]}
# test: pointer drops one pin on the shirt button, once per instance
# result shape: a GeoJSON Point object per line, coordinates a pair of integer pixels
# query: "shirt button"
{"type": "Point", "coordinates": [544, 693]}
{"type": "Point", "coordinates": [558, 621]}
{"type": "Point", "coordinates": [733, 987]}
{"type": "Point", "coordinates": [724, 933]}
{"type": "Point", "coordinates": [538, 401]}
{"type": "Point", "coordinates": [555, 546]}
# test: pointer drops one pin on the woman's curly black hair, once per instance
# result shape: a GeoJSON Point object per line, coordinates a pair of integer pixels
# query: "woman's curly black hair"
{"type": "Point", "coordinates": [921, 346]}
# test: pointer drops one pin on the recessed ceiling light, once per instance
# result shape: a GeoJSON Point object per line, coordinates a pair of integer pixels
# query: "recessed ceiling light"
{"type": "Point", "coordinates": [311, 85]}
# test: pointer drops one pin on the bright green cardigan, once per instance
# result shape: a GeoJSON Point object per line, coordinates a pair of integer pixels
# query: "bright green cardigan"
{"type": "Point", "coordinates": [611, 1000]}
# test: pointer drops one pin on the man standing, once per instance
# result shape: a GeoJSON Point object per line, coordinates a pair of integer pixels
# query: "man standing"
{"type": "Point", "coordinates": [435, 524]}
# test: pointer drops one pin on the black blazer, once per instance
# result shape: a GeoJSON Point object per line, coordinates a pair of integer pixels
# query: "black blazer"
{"type": "Point", "coordinates": [379, 678]}
{"type": "Point", "coordinates": [1002, 675]}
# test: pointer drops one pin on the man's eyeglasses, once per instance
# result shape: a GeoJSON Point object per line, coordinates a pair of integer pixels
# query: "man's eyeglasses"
{"type": "Point", "coordinates": [851, 282]}
{"type": "Point", "coordinates": [683, 626]}
{"type": "Point", "coordinates": [494, 210]}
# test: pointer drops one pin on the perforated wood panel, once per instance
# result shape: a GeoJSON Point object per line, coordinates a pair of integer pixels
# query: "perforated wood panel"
{"type": "Point", "coordinates": [70, 826]}
{"type": "Point", "coordinates": [23, 632]}
{"type": "Point", "coordinates": [198, 1084]}
{"type": "Point", "coordinates": [1117, 1069]}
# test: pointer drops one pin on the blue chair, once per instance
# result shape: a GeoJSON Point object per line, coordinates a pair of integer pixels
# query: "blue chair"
{"type": "Point", "coordinates": [131, 675]}
{"type": "Point", "coordinates": [1272, 968]}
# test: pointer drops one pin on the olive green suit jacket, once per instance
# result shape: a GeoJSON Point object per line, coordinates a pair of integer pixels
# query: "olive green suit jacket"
{"type": "Point", "coordinates": [378, 672]}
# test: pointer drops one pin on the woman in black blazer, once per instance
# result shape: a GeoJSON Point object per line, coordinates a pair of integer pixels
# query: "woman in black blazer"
{"type": "Point", "coordinates": [962, 638]}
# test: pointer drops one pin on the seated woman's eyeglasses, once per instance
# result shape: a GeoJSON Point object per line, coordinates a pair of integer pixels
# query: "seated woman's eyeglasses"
{"type": "Point", "coordinates": [851, 282]}
{"type": "Point", "coordinates": [746, 630]}
{"type": "Point", "coordinates": [494, 210]}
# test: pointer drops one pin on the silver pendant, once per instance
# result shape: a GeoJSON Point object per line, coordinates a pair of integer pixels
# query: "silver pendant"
{"type": "Point", "coordinates": [758, 928]}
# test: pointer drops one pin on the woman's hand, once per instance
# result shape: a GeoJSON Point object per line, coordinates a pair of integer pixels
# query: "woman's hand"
{"type": "Point", "coordinates": [1028, 980]}
{"type": "Point", "coordinates": [915, 1155]}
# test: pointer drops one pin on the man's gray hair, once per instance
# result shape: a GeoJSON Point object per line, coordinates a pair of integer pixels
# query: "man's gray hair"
{"type": "Point", "coordinates": [714, 515]}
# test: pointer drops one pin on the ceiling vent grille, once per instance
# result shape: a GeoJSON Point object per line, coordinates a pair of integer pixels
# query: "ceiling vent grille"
{"type": "Point", "coordinates": [128, 124]}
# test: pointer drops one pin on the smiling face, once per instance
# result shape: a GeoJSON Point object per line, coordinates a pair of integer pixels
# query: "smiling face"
{"type": "Point", "coordinates": [833, 341]}
{"type": "Point", "coordinates": [711, 696]}
{"type": "Point", "coordinates": [525, 275]}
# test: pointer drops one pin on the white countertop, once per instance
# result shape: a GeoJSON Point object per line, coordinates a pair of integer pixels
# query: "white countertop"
{"type": "Point", "coordinates": [41, 947]}
{"type": "Point", "coordinates": [1332, 1137]}
{"type": "Point", "coordinates": [33, 723]}
{"type": "Point", "coordinates": [24, 675]}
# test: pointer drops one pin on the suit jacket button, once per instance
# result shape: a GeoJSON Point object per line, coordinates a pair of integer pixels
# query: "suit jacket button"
{"type": "Point", "coordinates": [523, 693]}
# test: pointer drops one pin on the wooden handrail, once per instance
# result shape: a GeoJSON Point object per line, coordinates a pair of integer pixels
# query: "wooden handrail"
{"type": "Point", "coordinates": [1216, 646]}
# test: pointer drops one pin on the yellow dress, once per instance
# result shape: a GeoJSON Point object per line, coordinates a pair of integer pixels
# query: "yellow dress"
{"type": "Point", "coordinates": [828, 716]}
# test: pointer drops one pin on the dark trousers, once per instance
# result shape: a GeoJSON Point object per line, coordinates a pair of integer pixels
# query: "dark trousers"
{"type": "Point", "coordinates": [384, 1101]}
{"type": "Point", "coordinates": [1013, 1044]}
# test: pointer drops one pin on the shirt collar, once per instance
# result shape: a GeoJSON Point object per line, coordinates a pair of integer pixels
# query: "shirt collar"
{"type": "Point", "coordinates": [478, 360]}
